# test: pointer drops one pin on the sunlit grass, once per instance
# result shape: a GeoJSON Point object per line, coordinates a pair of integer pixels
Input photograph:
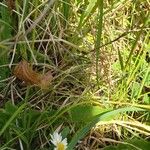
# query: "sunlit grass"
{"type": "Point", "coordinates": [98, 54]}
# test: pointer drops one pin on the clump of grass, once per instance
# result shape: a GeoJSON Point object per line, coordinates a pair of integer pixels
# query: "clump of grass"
{"type": "Point", "coordinates": [98, 54]}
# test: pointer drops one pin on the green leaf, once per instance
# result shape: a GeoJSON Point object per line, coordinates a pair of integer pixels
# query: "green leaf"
{"type": "Point", "coordinates": [135, 88]}
{"type": "Point", "coordinates": [101, 117]}
{"type": "Point", "coordinates": [20, 134]}
{"type": "Point", "coordinates": [98, 38]}
{"type": "Point", "coordinates": [6, 113]}
{"type": "Point", "coordinates": [146, 98]}
{"type": "Point", "coordinates": [66, 11]}
{"type": "Point", "coordinates": [132, 144]}
{"type": "Point", "coordinates": [12, 118]}
{"type": "Point", "coordinates": [3, 118]}
{"type": "Point", "coordinates": [6, 31]}
{"type": "Point", "coordinates": [84, 113]}
{"type": "Point", "coordinates": [88, 12]}
{"type": "Point", "coordinates": [10, 108]}
{"type": "Point", "coordinates": [65, 132]}
{"type": "Point", "coordinates": [120, 60]}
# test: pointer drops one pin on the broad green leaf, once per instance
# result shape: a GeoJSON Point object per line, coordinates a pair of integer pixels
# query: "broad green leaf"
{"type": "Point", "coordinates": [101, 117]}
{"type": "Point", "coordinates": [10, 108]}
{"type": "Point", "coordinates": [132, 144]}
{"type": "Point", "coordinates": [84, 113]}
{"type": "Point", "coordinates": [65, 132]}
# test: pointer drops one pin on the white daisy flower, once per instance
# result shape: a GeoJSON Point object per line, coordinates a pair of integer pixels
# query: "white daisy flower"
{"type": "Point", "coordinates": [60, 144]}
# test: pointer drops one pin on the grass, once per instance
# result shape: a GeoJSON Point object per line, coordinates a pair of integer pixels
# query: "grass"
{"type": "Point", "coordinates": [98, 54]}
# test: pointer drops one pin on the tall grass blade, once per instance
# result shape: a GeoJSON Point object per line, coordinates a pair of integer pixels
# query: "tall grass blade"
{"type": "Point", "coordinates": [98, 38]}
{"type": "Point", "coordinates": [12, 118]}
{"type": "Point", "coordinates": [6, 29]}
{"type": "Point", "coordinates": [88, 12]}
{"type": "Point", "coordinates": [143, 81]}
{"type": "Point", "coordinates": [66, 12]}
{"type": "Point", "coordinates": [136, 41]}
{"type": "Point", "coordinates": [121, 60]}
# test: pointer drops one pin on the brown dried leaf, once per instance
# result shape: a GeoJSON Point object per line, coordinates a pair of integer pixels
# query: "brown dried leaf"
{"type": "Point", "coordinates": [10, 4]}
{"type": "Point", "coordinates": [24, 72]}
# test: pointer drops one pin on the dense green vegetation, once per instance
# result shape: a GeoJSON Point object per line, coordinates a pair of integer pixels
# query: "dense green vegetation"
{"type": "Point", "coordinates": [98, 54]}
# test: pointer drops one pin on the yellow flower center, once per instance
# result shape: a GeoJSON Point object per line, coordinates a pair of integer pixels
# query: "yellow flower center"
{"type": "Point", "coordinates": [60, 146]}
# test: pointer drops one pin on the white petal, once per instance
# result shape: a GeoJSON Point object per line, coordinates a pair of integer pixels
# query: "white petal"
{"type": "Point", "coordinates": [65, 141]}
{"type": "Point", "coordinates": [53, 140]}
{"type": "Point", "coordinates": [56, 138]}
